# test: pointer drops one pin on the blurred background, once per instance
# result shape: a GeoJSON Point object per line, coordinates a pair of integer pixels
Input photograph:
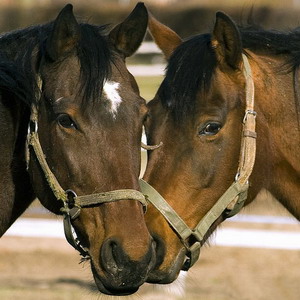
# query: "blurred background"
{"type": "Point", "coordinates": [186, 17]}
{"type": "Point", "coordinates": [253, 256]}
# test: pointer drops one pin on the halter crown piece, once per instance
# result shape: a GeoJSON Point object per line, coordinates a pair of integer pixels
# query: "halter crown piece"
{"type": "Point", "coordinates": [231, 202]}
{"type": "Point", "coordinates": [72, 203]}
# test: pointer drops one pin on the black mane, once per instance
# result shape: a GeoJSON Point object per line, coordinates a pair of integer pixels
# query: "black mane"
{"type": "Point", "coordinates": [193, 63]}
{"type": "Point", "coordinates": [190, 68]}
{"type": "Point", "coordinates": [24, 49]}
{"type": "Point", "coordinates": [13, 81]}
{"type": "Point", "coordinates": [95, 59]}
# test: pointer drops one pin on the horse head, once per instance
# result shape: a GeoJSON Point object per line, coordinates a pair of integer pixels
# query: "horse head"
{"type": "Point", "coordinates": [197, 114]}
{"type": "Point", "coordinates": [88, 119]}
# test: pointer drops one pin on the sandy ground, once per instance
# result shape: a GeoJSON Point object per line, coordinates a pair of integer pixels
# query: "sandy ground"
{"type": "Point", "coordinates": [47, 269]}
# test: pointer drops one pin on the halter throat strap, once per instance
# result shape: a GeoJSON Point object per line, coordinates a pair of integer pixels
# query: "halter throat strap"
{"type": "Point", "coordinates": [231, 202]}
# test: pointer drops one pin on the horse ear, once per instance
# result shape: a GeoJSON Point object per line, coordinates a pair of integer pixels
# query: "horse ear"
{"type": "Point", "coordinates": [165, 38]}
{"type": "Point", "coordinates": [226, 41]}
{"type": "Point", "coordinates": [65, 34]}
{"type": "Point", "coordinates": [128, 35]}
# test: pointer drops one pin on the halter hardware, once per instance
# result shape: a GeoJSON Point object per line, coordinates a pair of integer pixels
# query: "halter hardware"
{"type": "Point", "coordinates": [72, 204]}
{"type": "Point", "coordinates": [249, 112]}
{"type": "Point", "coordinates": [32, 127]}
{"type": "Point", "coordinates": [231, 202]}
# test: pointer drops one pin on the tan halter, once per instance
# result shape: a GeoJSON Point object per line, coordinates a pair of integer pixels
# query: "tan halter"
{"type": "Point", "coordinates": [232, 200]}
{"type": "Point", "coordinates": [72, 203]}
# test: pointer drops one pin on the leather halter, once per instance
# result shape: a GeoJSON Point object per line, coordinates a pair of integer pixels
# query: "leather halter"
{"type": "Point", "coordinates": [72, 203]}
{"type": "Point", "coordinates": [231, 202]}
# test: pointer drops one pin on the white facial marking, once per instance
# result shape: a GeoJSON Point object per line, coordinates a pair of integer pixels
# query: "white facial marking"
{"type": "Point", "coordinates": [111, 91]}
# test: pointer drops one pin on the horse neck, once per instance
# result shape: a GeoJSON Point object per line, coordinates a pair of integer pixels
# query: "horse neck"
{"type": "Point", "coordinates": [15, 188]}
{"type": "Point", "coordinates": [277, 166]}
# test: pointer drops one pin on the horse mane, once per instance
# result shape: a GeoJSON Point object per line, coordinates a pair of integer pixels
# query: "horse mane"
{"type": "Point", "coordinates": [95, 59]}
{"type": "Point", "coordinates": [13, 80]}
{"type": "Point", "coordinates": [24, 49]}
{"type": "Point", "coordinates": [192, 65]}
{"type": "Point", "coordinates": [190, 68]}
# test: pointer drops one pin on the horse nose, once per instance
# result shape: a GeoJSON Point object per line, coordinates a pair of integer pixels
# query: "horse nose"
{"type": "Point", "coordinates": [113, 258]}
{"type": "Point", "coordinates": [122, 270]}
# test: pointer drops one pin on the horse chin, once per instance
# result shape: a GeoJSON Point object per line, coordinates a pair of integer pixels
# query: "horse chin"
{"type": "Point", "coordinates": [167, 274]}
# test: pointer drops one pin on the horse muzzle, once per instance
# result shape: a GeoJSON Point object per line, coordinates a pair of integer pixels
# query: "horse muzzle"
{"type": "Point", "coordinates": [115, 273]}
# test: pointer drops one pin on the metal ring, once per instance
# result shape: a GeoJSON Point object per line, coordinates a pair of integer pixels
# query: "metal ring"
{"type": "Point", "coordinates": [71, 195]}
{"type": "Point", "coordinates": [69, 191]}
{"type": "Point", "coordinates": [237, 175]}
{"type": "Point", "coordinates": [32, 127]}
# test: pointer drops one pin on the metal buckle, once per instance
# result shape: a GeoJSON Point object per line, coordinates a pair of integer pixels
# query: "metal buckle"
{"type": "Point", "coordinates": [192, 256]}
{"type": "Point", "coordinates": [71, 212]}
{"type": "Point", "coordinates": [72, 238]}
{"type": "Point", "coordinates": [249, 112]}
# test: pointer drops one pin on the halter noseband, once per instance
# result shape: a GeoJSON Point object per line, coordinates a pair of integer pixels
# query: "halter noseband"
{"type": "Point", "coordinates": [231, 202]}
{"type": "Point", "coordinates": [72, 203]}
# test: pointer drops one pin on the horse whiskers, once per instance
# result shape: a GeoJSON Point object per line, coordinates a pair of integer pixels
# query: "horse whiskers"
{"type": "Point", "coordinates": [84, 259]}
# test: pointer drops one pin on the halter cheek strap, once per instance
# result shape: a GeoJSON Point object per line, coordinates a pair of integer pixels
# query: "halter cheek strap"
{"type": "Point", "coordinates": [231, 202]}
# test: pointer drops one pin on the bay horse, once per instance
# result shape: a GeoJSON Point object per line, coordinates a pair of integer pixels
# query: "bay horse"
{"type": "Point", "coordinates": [69, 100]}
{"type": "Point", "coordinates": [224, 95]}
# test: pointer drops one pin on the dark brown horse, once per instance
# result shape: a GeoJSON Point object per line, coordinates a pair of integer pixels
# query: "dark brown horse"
{"type": "Point", "coordinates": [203, 113]}
{"type": "Point", "coordinates": [69, 82]}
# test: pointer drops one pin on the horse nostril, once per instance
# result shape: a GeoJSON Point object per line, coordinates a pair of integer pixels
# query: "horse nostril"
{"type": "Point", "coordinates": [153, 253]}
{"type": "Point", "coordinates": [122, 271]}
{"type": "Point", "coordinates": [108, 258]}
{"type": "Point", "coordinates": [159, 248]}
{"type": "Point", "coordinates": [115, 261]}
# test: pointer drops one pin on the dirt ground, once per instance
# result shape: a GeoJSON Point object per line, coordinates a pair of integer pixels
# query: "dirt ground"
{"type": "Point", "coordinates": [48, 269]}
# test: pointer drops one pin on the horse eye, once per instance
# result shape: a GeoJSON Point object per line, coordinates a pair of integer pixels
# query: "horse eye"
{"type": "Point", "coordinates": [66, 121]}
{"type": "Point", "coordinates": [210, 128]}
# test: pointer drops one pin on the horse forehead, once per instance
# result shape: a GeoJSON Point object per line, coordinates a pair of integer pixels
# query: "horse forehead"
{"type": "Point", "coordinates": [111, 91]}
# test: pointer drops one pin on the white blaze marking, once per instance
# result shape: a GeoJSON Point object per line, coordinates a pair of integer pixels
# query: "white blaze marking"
{"type": "Point", "coordinates": [111, 91]}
